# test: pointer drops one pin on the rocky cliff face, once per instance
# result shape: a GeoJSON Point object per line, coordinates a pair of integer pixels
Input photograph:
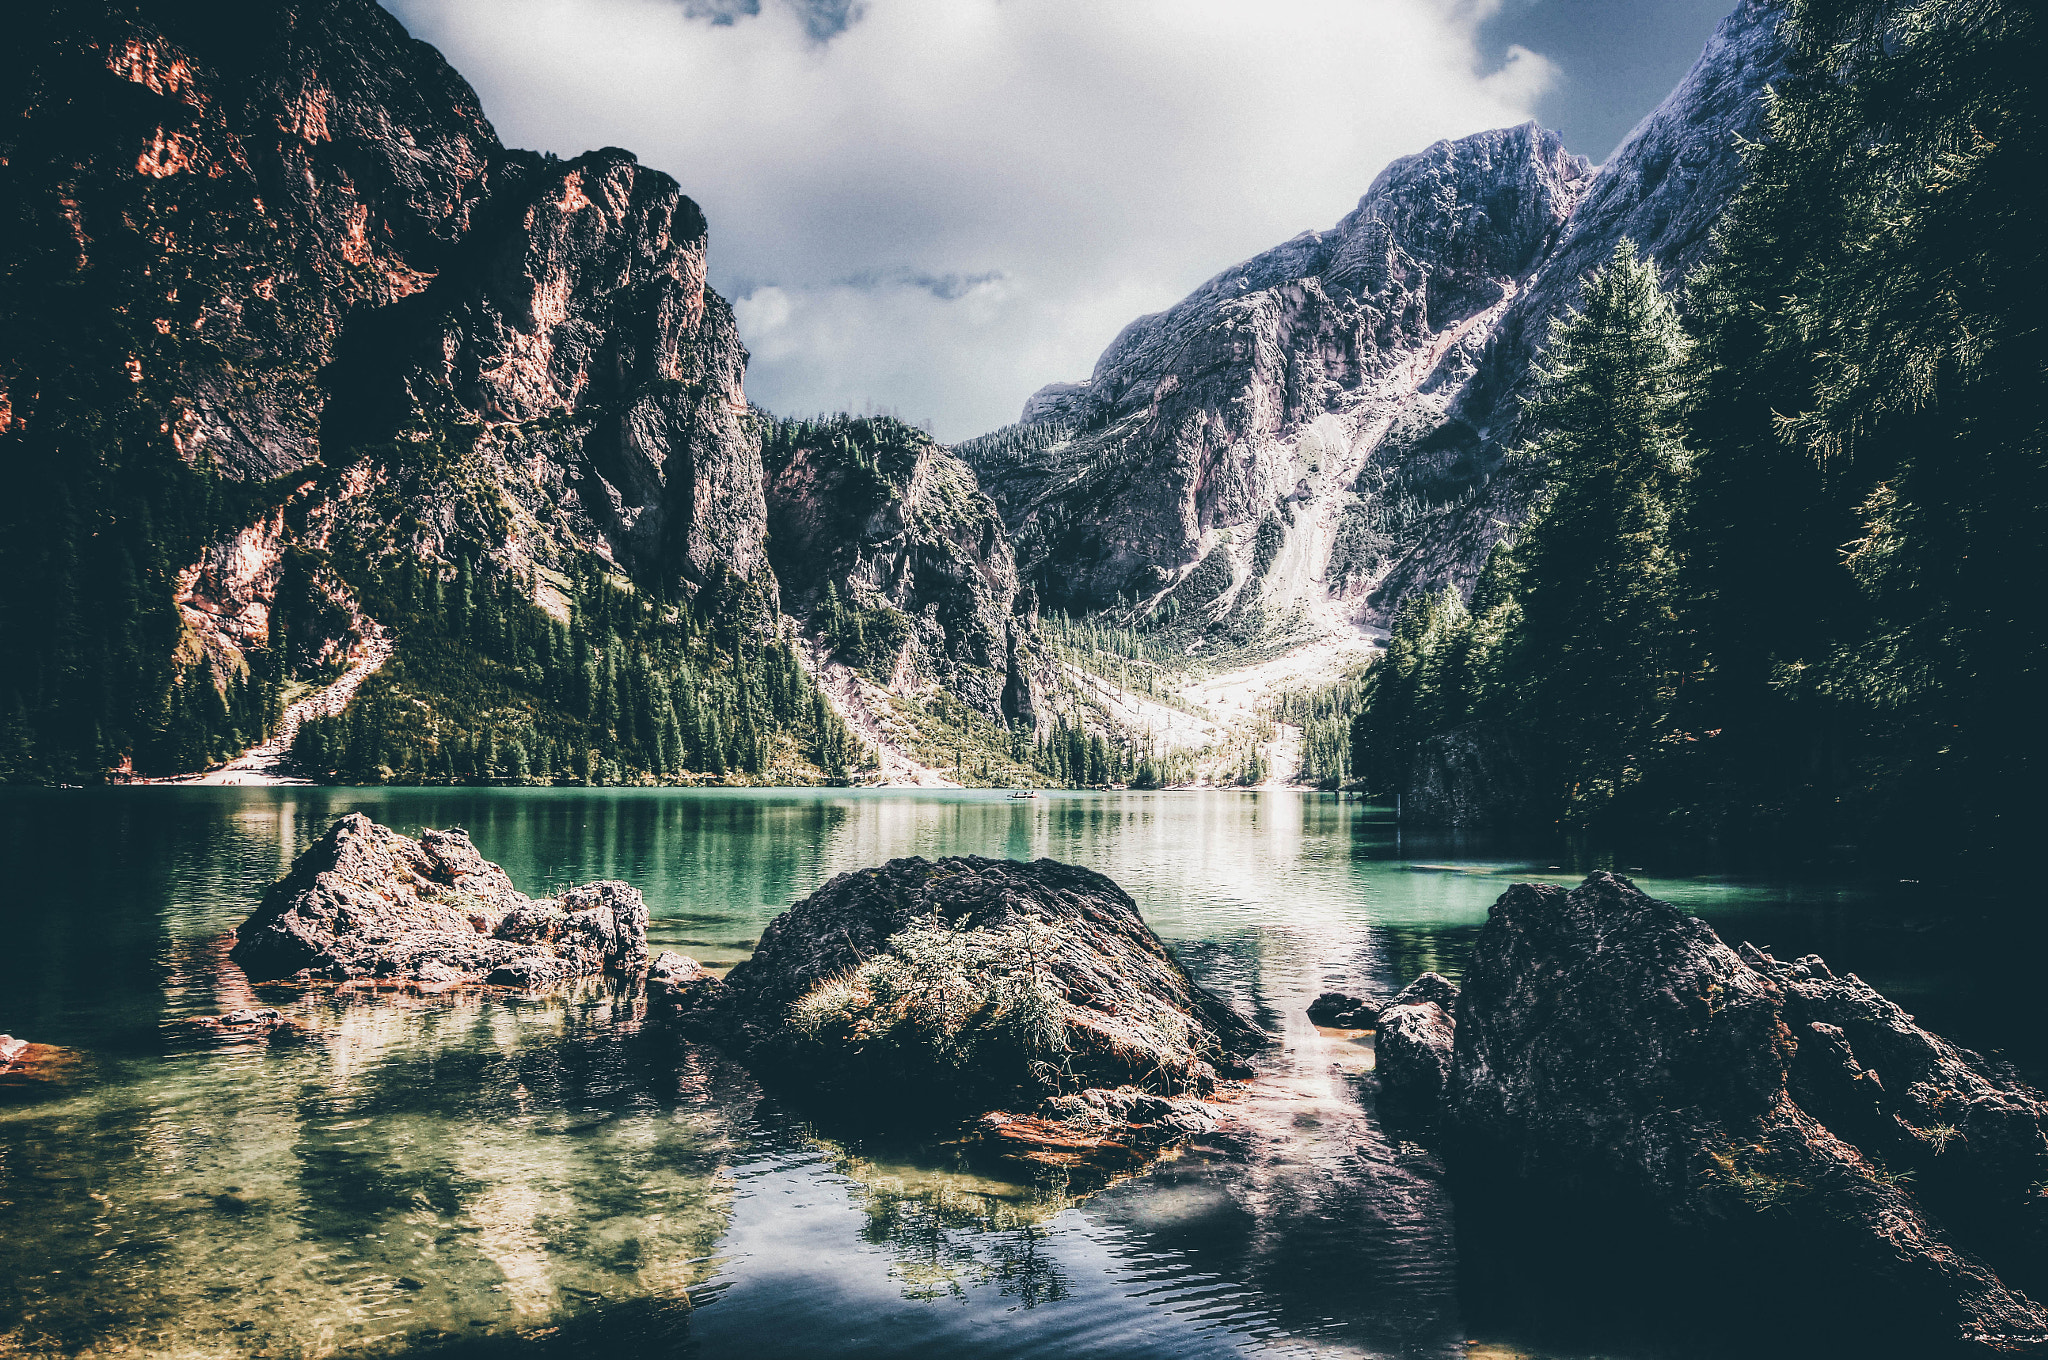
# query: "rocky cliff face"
{"type": "Point", "coordinates": [571, 358]}
{"type": "Point", "coordinates": [289, 166]}
{"type": "Point", "coordinates": [1361, 385]}
{"type": "Point", "coordinates": [281, 244]}
{"type": "Point", "coordinates": [892, 522]}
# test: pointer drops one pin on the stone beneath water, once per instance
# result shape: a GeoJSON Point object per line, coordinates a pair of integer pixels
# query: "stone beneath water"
{"type": "Point", "coordinates": [368, 903]}
{"type": "Point", "coordinates": [1610, 1054]}
{"type": "Point", "coordinates": [30, 1067]}
{"type": "Point", "coordinates": [246, 1024]}
{"type": "Point", "coordinates": [1340, 1010]}
{"type": "Point", "coordinates": [1033, 995]}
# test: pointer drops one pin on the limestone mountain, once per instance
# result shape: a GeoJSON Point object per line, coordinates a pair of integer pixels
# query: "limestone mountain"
{"type": "Point", "coordinates": [285, 317]}
{"type": "Point", "coordinates": [1356, 391]}
{"type": "Point", "coordinates": [884, 543]}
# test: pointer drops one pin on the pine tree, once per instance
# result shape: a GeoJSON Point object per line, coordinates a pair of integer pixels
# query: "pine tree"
{"type": "Point", "coordinates": [1598, 635]}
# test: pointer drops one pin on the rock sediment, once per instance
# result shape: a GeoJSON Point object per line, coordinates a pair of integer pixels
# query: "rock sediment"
{"type": "Point", "coordinates": [368, 903]}
{"type": "Point", "coordinates": [1609, 1053]}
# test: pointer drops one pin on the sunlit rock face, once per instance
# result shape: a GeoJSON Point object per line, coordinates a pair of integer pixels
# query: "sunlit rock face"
{"type": "Point", "coordinates": [1364, 383]}
{"type": "Point", "coordinates": [367, 902]}
{"type": "Point", "coordinates": [302, 163]}
{"type": "Point", "coordinates": [323, 276]}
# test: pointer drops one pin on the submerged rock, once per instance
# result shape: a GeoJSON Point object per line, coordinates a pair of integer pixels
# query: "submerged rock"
{"type": "Point", "coordinates": [246, 1024]}
{"type": "Point", "coordinates": [1098, 1128]}
{"type": "Point", "coordinates": [1613, 1054]}
{"type": "Point", "coordinates": [367, 902]}
{"type": "Point", "coordinates": [1031, 992]}
{"type": "Point", "coordinates": [27, 1067]}
{"type": "Point", "coordinates": [1340, 1010]}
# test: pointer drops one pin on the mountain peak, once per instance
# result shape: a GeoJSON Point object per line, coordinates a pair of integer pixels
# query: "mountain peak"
{"type": "Point", "coordinates": [1362, 383]}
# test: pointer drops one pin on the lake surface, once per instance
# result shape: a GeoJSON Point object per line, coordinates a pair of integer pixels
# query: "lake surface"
{"type": "Point", "coordinates": [493, 1173]}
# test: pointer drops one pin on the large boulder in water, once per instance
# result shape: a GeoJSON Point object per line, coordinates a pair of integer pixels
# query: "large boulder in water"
{"type": "Point", "coordinates": [1412, 1051]}
{"type": "Point", "coordinates": [367, 902]}
{"type": "Point", "coordinates": [969, 985]}
{"type": "Point", "coordinates": [1615, 1058]}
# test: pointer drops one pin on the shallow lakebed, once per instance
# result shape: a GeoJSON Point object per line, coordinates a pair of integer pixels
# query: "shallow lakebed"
{"type": "Point", "coordinates": [490, 1173]}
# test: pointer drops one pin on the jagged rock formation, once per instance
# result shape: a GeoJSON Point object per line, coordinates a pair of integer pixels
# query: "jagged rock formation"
{"type": "Point", "coordinates": [1973, 1137]}
{"type": "Point", "coordinates": [364, 902]}
{"type": "Point", "coordinates": [282, 244]}
{"type": "Point", "coordinates": [593, 377]}
{"type": "Point", "coordinates": [1611, 1054]}
{"type": "Point", "coordinates": [1412, 1050]}
{"type": "Point", "coordinates": [1361, 386]}
{"type": "Point", "coordinates": [1038, 996]}
{"type": "Point", "coordinates": [315, 160]}
{"type": "Point", "coordinates": [893, 522]}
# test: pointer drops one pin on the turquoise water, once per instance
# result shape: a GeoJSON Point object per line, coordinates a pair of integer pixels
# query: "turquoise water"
{"type": "Point", "coordinates": [490, 1173]}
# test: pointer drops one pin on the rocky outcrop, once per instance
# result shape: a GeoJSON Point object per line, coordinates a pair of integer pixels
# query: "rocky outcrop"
{"type": "Point", "coordinates": [1412, 1050]}
{"type": "Point", "coordinates": [1611, 1054]}
{"type": "Point", "coordinates": [365, 902]}
{"type": "Point", "coordinates": [1031, 993]}
{"type": "Point", "coordinates": [1973, 1137]}
{"type": "Point", "coordinates": [597, 379]}
{"type": "Point", "coordinates": [283, 245]}
{"type": "Point", "coordinates": [892, 522]}
{"type": "Point", "coordinates": [1362, 385]}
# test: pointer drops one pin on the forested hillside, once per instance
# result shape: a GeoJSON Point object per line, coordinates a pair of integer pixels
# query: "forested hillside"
{"type": "Point", "coordinates": [1782, 578]}
{"type": "Point", "coordinates": [626, 689]}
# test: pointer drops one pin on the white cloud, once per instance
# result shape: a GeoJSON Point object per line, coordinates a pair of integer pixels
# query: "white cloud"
{"type": "Point", "coordinates": [953, 202]}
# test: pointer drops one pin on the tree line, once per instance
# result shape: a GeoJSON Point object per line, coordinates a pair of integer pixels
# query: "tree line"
{"type": "Point", "coordinates": [626, 687]}
{"type": "Point", "coordinates": [1780, 579]}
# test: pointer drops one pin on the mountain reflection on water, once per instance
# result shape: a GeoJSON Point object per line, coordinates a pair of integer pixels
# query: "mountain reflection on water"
{"type": "Point", "coordinates": [487, 1173]}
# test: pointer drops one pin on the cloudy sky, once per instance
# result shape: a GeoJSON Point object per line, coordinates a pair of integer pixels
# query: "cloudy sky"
{"type": "Point", "coordinates": [935, 207]}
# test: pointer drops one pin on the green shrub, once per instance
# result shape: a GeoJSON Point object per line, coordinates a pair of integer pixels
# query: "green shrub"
{"type": "Point", "coordinates": [1210, 578]}
{"type": "Point", "coordinates": [1266, 548]}
{"type": "Point", "coordinates": [942, 994]}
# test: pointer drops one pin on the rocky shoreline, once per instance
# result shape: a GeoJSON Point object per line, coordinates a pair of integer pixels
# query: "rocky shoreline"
{"type": "Point", "coordinates": [1676, 1109]}
{"type": "Point", "coordinates": [1027, 1005]}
